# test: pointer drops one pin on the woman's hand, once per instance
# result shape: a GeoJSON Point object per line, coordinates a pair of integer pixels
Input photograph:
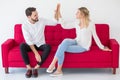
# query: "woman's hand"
{"type": "Point", "coordinates": [106, 49]}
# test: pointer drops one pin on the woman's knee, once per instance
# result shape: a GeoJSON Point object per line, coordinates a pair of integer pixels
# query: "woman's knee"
{"type": "Point", "coordinates": [65, 41]}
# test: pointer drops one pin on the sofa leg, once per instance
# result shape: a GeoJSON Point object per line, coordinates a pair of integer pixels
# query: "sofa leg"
{"type": "Point", "coordinates": [6, 70]}
{"type": "Point", "coordinates": [114, 70]}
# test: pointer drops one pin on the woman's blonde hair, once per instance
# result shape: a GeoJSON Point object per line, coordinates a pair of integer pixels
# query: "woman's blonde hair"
{"type": "Point", "coordinates": [85, 11]}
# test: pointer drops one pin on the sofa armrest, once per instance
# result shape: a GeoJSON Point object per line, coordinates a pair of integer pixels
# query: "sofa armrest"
{"type": "Point", "coordinates": [115, 52]}
{"type": "Point", "coordinates": [6, 47]}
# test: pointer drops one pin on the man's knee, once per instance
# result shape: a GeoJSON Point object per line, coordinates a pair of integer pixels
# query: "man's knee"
{"type": "Point", "coordinates": [22, 46]}
{"type": "Point", "coordinates": [47, 47]}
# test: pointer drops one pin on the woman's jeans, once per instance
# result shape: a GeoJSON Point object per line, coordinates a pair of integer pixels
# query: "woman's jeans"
{"type": "Point", "coordinates": [67, 45]}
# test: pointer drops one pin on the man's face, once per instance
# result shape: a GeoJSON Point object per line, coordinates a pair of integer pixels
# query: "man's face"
{"type": "Point", "coordinates": [34, 16]}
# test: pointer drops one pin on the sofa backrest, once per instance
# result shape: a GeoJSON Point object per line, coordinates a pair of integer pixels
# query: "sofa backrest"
{"type": "Point", "coordinates": [55, 34]}
{"type": "Point", "coordinates": [18, 35]}
{"type": "Point", "coordinates": [102, 31]}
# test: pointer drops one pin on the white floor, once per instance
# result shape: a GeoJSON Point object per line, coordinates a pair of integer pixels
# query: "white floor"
{"type": "Point", "coordinates": [69, 74]}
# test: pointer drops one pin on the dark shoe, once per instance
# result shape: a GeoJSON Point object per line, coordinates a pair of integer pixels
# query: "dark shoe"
{"type": "Point", "coordinates": [28, 73]}
{"type": "Point", "coordinates": [35, 72]}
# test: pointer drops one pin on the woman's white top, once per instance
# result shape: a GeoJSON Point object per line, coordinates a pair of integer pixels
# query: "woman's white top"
{"type": "Point", "coordinates": [83, 35]}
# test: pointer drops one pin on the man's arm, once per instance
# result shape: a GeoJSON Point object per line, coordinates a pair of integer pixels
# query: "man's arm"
{"type": "Point", "coordinates": [37, 56]}
{"type": "Point", "coordinates": [57, 12]}
{"type": "Point", "coordinates": [29, 41]}
{"type": "Point", "coordinates": [58, 17]}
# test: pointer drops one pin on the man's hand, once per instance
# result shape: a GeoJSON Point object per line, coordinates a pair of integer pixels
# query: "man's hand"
{"type": "Point", "coordinates": [38, 57]}
{"type": "Point", "coordinates": [58, 7]}
{"type": "Point", "coordinates": [57, 12]}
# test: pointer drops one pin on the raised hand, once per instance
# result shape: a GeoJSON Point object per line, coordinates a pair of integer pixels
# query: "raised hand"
{"type": "Point", "coordinates": [58, 7]}
{"type": "Point", "coordinates": [57, 12]}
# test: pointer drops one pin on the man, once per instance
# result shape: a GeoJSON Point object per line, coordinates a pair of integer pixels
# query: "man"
{"type": "Point", "coordinates": [33, 32]}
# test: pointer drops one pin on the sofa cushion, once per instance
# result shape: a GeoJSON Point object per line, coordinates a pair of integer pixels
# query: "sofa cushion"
{"type": "Point", "coordinates": [94, 55]}
{"type": "Point", "coordinates": [90, 56]}
{"type": "Point", "coordinates": [15, 55]}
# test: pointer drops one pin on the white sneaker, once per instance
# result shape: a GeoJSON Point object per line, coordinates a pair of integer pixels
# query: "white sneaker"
{"type": "Point", "coordinates": [50, 71]}
{"type": "Point", "coordinates": [56, 74]}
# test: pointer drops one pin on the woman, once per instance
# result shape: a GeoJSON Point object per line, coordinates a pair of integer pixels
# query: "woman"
{"type": "Point", "coordinates": [85, 29]}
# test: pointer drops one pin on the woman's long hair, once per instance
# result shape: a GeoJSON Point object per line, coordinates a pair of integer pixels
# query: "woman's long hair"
{"type": "Point", "coordinates": [86, 14]}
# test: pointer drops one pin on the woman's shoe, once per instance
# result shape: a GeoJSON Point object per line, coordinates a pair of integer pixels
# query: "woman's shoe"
{"type": "Point", "coordinates": [50, 71]}
{"type": "Point", "coordinates": [55, 74]}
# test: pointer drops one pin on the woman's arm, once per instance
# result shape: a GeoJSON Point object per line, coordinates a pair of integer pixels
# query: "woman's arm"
{"type": "Point", "coordinates": [99, 44]}
{"type": "Point", "coordinates": [66, 25]}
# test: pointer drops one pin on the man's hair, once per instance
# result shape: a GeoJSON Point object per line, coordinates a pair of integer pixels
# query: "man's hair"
{"type": "Point", "coordinates": [29, 11]}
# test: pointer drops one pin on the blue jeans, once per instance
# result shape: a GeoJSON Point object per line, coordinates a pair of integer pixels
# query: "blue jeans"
{"type": "Point", "coordinates": [67, 45]}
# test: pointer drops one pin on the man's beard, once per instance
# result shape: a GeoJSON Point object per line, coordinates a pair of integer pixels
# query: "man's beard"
{"type": "Point", "coordinates": [35, 20]}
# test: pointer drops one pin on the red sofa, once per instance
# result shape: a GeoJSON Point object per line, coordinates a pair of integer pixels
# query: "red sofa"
{"type": "Point", "coordinates": [95, 58]}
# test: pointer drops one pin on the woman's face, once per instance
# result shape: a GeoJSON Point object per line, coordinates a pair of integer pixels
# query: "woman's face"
{"type": "Point", "coordinates": [79, 15]}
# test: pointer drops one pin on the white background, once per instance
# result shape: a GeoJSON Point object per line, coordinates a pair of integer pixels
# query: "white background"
{"type": "Point", "coordinates": [102, 11]}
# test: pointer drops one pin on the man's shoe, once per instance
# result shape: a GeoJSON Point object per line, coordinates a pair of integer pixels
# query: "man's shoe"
{"type": "Point", "coordinates": [28, 73]}
{"type": "Point", "coordinates": [35, 72]}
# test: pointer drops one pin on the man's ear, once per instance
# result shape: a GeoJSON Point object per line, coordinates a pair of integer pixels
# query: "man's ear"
{"type": "Point", "coordinates": [29, 17]}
